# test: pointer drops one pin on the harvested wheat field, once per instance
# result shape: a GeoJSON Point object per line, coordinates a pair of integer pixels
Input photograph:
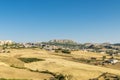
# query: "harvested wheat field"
{"type": "Point", "coordinates": [11, 67]}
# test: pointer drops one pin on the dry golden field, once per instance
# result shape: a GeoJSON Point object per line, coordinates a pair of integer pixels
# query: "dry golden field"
{"type": "Point", "coordinates": [54, 62]}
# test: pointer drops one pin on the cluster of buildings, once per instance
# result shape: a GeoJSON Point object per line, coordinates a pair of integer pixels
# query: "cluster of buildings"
{"type": "Point", "coordinates": [67, 44]}
{"type": "Point", "coordinates": [3, 42]}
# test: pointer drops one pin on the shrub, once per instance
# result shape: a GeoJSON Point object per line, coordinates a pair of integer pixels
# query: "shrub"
{"type": "Point", "coordinates": [93, 59]}
{"type": "Point", "coordinates": [103, 58]}
{"type": "Point", "coordinates": [60, 77]}
{"type": "Point", "coordinates": [57, 51]}
{"type": "Point", "coordinates": [29, 60]}
{"type": "Point", "coordinates": [17, 67]}
{"type": "Point", "coordinates": [8, 51]}
{"type": "Point", "coordinates": [66, 51]}
{"type": "Point", "coordinates": [47, 72]}
{"type": "Point", "coordinates": [88, 61]}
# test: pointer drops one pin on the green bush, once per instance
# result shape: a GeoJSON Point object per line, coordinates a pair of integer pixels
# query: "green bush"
{"type": "Point", "coordinates": [47, 72]}
{"type": "Point", "coordinates": [57, 51]}
{"type": "Point", "coordinates": [103, 58]}
{"type": "Point", "coordinates": [17, 67]}
{"type": "Point", "coordinates": [60, 77]}
{"type": "Point", "coordinates": [8, 51]}
{"type": "Point", "coordinates": [66, 51]}
{"type": "Point", "coordinates": [29, 60]}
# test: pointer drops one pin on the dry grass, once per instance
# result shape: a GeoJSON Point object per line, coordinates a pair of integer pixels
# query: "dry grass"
{"type": "Point", "coordinates": [13, 73]}
{"type": "Point", "coordinates": [54, 63]}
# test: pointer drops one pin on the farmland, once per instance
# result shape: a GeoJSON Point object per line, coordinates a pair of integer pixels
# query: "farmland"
{"type": "Point", "coordinates": [11, 67]}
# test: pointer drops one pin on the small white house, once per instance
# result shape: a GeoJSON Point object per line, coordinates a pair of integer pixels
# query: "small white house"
{"type": "Point", "coordinates": [118, 54]}
{"type": "Point", "coordinates": [113, 61]}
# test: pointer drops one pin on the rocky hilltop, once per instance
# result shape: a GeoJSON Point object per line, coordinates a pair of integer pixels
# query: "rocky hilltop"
{"type": "Point", "coordinates": [63, 41]}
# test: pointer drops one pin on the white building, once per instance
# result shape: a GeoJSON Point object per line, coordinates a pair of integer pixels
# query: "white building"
{"type": "Point", "coordinates": [113, 61]}
{"type": "Point", "coordinates": [2, 42]}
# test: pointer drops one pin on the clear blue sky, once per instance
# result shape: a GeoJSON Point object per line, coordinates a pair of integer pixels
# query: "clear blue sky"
{"type": "Point", "coordinates": [43, 20]}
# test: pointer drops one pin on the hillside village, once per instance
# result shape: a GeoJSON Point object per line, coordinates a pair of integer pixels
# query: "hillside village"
{"type": "Point", "coordinates": [112, 49]}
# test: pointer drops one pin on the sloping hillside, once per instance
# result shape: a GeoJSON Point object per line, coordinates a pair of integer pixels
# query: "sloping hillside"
{"type": "Point", "coordinates": [53, 62]}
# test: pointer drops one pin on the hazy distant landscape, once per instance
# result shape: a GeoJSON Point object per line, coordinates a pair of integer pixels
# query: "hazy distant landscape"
{"type": "Point", "coordinates": [59, 60]}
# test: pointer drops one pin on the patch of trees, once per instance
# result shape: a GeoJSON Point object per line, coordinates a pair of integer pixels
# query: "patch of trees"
{"type": "Point", "coordinates": [107, 76]}
{"type": "Point", "coordinates": [29, 60]}
{"type": "Point", "coordinates": [65, 51]}
{"type": "Point", "coordinates": [56, 76]}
